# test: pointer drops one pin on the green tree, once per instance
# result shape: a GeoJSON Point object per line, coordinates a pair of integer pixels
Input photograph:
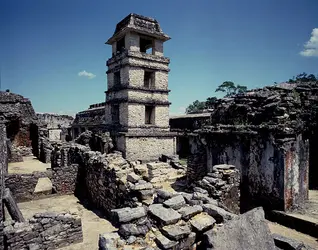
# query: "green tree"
{"type": "Point", "coordinates": [210, 102]}
{"type": "Point", "coordinates": [196, 106]}
{"type": "Point", "coordinates": [230, 89]}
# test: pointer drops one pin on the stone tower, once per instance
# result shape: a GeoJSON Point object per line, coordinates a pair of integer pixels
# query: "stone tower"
{"type": "Point", "coordinates": [137, 106]}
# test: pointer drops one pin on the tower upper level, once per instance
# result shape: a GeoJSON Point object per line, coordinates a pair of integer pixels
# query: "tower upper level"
{"type": "Point", "coordinates": [139, 34]}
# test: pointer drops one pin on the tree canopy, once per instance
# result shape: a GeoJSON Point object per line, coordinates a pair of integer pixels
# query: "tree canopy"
{"type": "Point", "coordinates": [230, 89]}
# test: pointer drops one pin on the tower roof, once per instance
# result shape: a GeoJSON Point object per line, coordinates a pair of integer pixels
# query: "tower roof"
{"type": "Point", "coordinates": [139, 24]}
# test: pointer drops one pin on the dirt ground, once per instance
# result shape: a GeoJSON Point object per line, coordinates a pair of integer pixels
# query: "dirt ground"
{"type": "Point", "coordinates": [29, 165]}
{"type": "Point", "coordinates": [92, 223]}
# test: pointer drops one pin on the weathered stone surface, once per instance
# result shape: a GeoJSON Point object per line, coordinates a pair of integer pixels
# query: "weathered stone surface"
{"type": "Point", "coordinates": [47, 229]}
{"type": "Point", "coordinates": [202, 222]}
{"type": "Point", "coordinates": [249, 231]}
{"type": "Point", "coordinates": [166, 216]}
{"type": "Point", "coordinates": [132, 229]}
{"type": "Point", "coordinates": [283, 242]}
{"type": "Point", "coordinates": [142, 186]}
{"type": "Point", "coordinates": [132, 177]}
{"type": "Point", "coordinates": [165, 194]}
{"type": "Point", "coordinates": [164, 242]}
{"type": "Point", "coordinates": [175, 202]}
{"type": "Point", "coordinates": [128, 214]}
{"type": "Point", "coordinates": [176, 231]}
{"type": "Point", "coordinates": [219, 214]}
{"type": "Point", "coordinates": [44, 185]}
{"type": "Point", "coordinates": [108, 241]}
{"type": "Point", "coordinates": [189, 211]}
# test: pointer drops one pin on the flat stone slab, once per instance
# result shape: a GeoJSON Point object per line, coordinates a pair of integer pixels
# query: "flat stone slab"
{"type": "Point", "coordinates": [177, 231]}
{"type": "Point", "coordinates": [223, 167]}
{"type": "Point", "coordinates": [164, 242]}
{"type": "Point", "coordinates": [44, 185]}
{"type": "Point", "coordinates": [189, 211]}
{"type": "Point", "coordinates": [166, 216]}
{"type": "Point", "coordinates": [202, 222]}
{"type": "Point", "coordinates": [128, 214]}
{"type": "Point", "coordinates": [219, 214]}
{"type": "Point", "coordinates": [175, 202]}
{"type": "Point", "coordinates": [140, 186]}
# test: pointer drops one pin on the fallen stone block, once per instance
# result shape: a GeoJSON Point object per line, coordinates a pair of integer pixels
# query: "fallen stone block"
{"type": "Point", "coordinates": [202, 222]}
{"type": "Point", "coordinates": [200, 190]}
{"type": "Point", "coordinates": [127, 230]}
{"type": "Point", "coordinates": [132, 177]}
{"type": "Point", "coordinates": [140, 186]}
{"type": "Point", "coordinates": [219, 214]}
{"type": "Point", "coordinates": [175, 202]}
{"type": "Point", "coordinates": [223, 167]}
{"type": "Point", "coordinates": [188, 212]}
{"type": "Point", "coordinates": [248, 231]}
{"type": "Point", "coordinates": [188, 242]}
{"type": "Point", "coordinates": [165, 194]}
{"type": "Point", "coordinates": [164, 242]}
{"type": "Point", "coordinates": [43, 186]}
{"type": "Point", "coordinates": [166, 216]}
{"type": "Point", "coordinates": [176, 231]}
{"type": "Point", "coordinates": [128, 214]}
{"type": "Point", "coordinates": [108, 241]}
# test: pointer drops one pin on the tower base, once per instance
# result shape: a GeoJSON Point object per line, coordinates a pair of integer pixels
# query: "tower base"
{"type": "Point", "coordinates": [145, 146]}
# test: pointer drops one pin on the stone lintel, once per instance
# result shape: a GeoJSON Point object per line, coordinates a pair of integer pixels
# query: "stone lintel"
{"type": "Point", "coordinates": [137, 55]}
{"type": "Point", "coordinates": [147, 134]}
{"type": "Point", "coordinates": [125, 86]}
{"type": "Point", "coordinates": [131, 101]}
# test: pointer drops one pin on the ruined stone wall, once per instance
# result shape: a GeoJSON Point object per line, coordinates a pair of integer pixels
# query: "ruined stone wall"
{"type": "Point", "coordinates": [22, 185]}
{"type": "Point", "coordinates": [55, 121]}
{"type": "Point", "coordinates": [18, 114]}
{"type": "Point", "coordinates": [78, 170]}
{"type": "Point", "coordinates": [3, 171]}
{"type": "Point", "coordinates": [147, 148]}
{"type": "Point", "coordinates": [44, 231]}
{"type": "Point", "coordinates": [273, 175]}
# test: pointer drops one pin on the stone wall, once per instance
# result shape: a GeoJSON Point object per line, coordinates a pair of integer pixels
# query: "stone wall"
{"type": "Point", "coordinates": [22, 186]}
{"type": "Point", "coordinates": [44, 231]}
{"type": "Point", "coordinates": [55, 121]}
{"type": "Point", "coordinates": [18, 115]}
{"type": "Point", "coordinates": [97, 176]}
{"type": "Point", "coordinates": [149, 148]}
{"type": "Point", "coordinates": [274, 173]}
{"type": "Point", "coordinates": [3, 171]}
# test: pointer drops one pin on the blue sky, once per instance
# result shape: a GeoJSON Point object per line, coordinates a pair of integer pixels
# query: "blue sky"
{"type": "Point", "coordinates": [45, 44]}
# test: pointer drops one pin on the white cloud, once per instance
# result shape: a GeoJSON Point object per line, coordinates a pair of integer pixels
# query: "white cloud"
{"type": "Point", "coordinates": [311, 47]}
{"type": "Point", "coordinates": [87, 74]}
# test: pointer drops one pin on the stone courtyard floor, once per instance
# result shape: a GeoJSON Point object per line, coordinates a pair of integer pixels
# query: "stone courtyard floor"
{"type": "Point", "coordinates": [310, 210]}
{"type": "Point", "coordinates": [92, 223]}
{"type": "Point", "coordinates": [27, 166]}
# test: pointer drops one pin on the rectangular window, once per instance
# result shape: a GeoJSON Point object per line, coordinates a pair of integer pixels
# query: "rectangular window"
{"type": "Point", "coordinates": [149, 115]}
{"type": "Point", "coordinates": [149, 79]}
{"type": "Point", "coordinates": [146, 45]}
{"type": "Point", "coordinates": [120, 46]}
{"type": "Point", "coordinates": [117, 79]}
{"type": "Point", "coordinates": [115, 113]}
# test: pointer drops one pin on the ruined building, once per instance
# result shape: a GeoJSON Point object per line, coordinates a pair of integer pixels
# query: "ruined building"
{"type": "Point", "coordinates": [137, 106]}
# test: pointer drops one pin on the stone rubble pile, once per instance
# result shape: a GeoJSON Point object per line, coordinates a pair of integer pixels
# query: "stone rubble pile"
{"type": "Point", "coordinates": [222, 184]}
{"type": "Point", "coordinates": [164, 219]}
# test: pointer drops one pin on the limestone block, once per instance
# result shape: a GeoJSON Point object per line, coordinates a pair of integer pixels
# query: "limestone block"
{"type": "Point", "coordinates": [166, 216]}
{"type": "Point", "coordinates": [202, 222]}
